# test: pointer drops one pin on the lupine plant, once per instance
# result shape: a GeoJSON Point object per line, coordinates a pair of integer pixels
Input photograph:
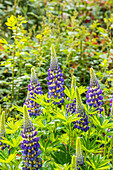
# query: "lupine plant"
{"type": "Point", "coordinates": [33, 88]}
{"type": "Point", "coordinates": [79, 156]}
{"type": "Point", "coordinates": [111, 105]}
{"type": "Point", "coordinates": [82, 34]}
{"type": "Point", "coordinates": [74, 163]}
{"type": "Point", "coordinates": [59, 140]}
{"type": "Point", "coordinates": [2, 130]}
{"type": "Point", "coordinates": [83, 122]}
{"type": "Point", "coordinates": [30, 144]}
{"type": "Point", "coordinates": [55, 79]}
{"type": "Point", "coordinates": [94, 93]}
{"type": "Point", "coordinates": [71, 107]}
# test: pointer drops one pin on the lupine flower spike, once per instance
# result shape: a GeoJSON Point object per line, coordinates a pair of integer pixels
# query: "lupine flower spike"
{"type": "Point", "coordinates": [55, 79]}
{"type": "Point", "coordinates": [71, 107]}
{"type": "Point", "coordinates": [2, 130]}
{"type": "Point", "coordinates": [111, 104]}
{"type": "Point", "coordinates": [30, 145]}
{"type": "Point", "coordinates": [83, 122]}
{"type": "Point", "coordinates": [33, 87]}
{"type": "Point", "coordinates": [73, 163]}
{"type": "Point", "coordinates": [94, 93]}
{"type": "Point", "coordinates": [79, 157]}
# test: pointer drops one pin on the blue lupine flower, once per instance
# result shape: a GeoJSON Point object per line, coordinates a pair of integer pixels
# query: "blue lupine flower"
{"type": "Point", "coordinates": [111, 104]}
{"type": "Point", "coordinates": [30, 144]}
{"type": "Point", "coordinates": [71, 107]}
{"type": "Point", "coordinates": [33, 87]}
{"type": "Point", "coordinates": [94, 93]}
{"type": "Point", "coordinates": [55, 79]}
{"type": "Point", "coordinates": [2, 131]}
{"type": "Point", "coordinates": [83, 122]}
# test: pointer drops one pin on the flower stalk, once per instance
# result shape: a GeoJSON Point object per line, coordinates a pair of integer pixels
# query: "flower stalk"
{"type": "Point", "coordinates": [94, 93]}
{"type": "Point", "coordinates": [55, 79]}
{"type": "Point", "coordinates": [30, 144]}
{"type": "Point", "coordinates": [33, 87]}
{"type": "Point", "coordinates": [83, 122]}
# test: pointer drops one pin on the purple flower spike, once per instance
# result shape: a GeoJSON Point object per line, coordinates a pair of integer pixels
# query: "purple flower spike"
{"type": "Point", "coordinates": [30, 145]}
{"type": "Point", "coordinates": [71, 107]}
{"type": "Point", "coordinates": [94, 93]}
{"type": "Point", "coordinates": [33, 87]}
{"type": "Point", "coordinates": [83, 122]}
{"type": "Point", "coordinates": [55, 79]}
{"type": "Point", "coordinates": [111, 104]}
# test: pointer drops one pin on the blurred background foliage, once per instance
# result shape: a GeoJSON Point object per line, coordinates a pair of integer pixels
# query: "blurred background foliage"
{"type": "Point", "coordinates": [81, 31]}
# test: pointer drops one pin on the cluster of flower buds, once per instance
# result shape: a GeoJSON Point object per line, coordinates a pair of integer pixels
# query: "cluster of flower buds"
{"type": "Point", "coordinates": [33, 87]}
{"type": "Point", "coordinates": [83, 122]}
{"type": "Point", "coordinates": [111, 104]}
{"type": "Point", "coordinates": [77, 160]}
{"type": "Point", "coordinates": [79, 156]}
{"type": "Point", "coordinates": [94, 93]}
{"type": "Point", "coordinates": [73, 163]}
{"type": "Point", "coordinates": [71, 107]}
{"type": "Point", "coordinates": [55, 79]}
{"type": "Point", "coordinates": [30, 144]}
{"type": "Point", "coordinates": [2, 131]}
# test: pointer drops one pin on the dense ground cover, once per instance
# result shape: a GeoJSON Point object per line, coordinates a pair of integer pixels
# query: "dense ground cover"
{"type": "Point", "coordinates": [67, 118]}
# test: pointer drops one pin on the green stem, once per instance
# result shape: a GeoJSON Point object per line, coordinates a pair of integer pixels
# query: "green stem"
{"type": "Point", "coordinates": [85, 156]}
{"type": "Point", "coordinates": [105, 147]}
{"type": "Point", "coordinates": [19, 76]}
{"type": "Point", "coordinates": [13, 76]}
{"type": "Point", "coordinates": [55, 134]}
{"type": "Point", "coordinates": [69, 137]}
{"type": "Point", "coordinates": [109, 149]}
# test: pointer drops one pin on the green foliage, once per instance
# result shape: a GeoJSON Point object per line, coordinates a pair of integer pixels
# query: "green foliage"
{"type": "Point", "coordinates": [98, 163]}
{"type": "Point", "coordinates": [81, 32]}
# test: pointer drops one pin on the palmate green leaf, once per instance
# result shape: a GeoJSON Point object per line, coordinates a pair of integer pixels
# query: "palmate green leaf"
{"type": "Point", "coordinates": [58, 167]}
{"type": "Point", "coordinates": [9, 159]}
{"type": "Point", "coordinates": [73, 94]}
{"type": "Point", "coordinates": [42, 100]}
{"type": "Point", "coordinates": [14, 142]}
{"type": "Point", "coordinates": [67, 92]}
{"type": "Point", "coordinates": [82, 89]}
{"type": "Point", "coordinates": [39, 101]}
{"type": "Point", "coordinates": [2, 154]}
{"type": "Point", "coordinates": [67, 119]}
{"type": "Point", "coordinates": [92, 164]}
{"type": "Point", "coordinates": [109, 133]}
{"type": "Point", "coordinates": [97, 162]}
{"type": "Point", "coordinates": [60, 116]}
{"type": "Point", "coordinates": [104, 142]}
{"type": "Point", "coordinates": [105, 122]}
{"type": "Point", "coordinates": [109, 125]}
{"type": "Point", "coordinates": [13, 127]}
{"type": "Point", "coordinates": [72, 118]}
{"type": "Point", "coordinates": [90, 145]}
{"type": "Point", "coordinates": [96, 122]}
{"type": "Point", "coordinates": [91, 150]}
{"type": "Point", "coordinates": [18, 108]}
{"type": "Point", "coordinates": [100, 125]}
{"type": "Point", "coordinates": [89, 110]}
{"type": "Point", "coordinates": [103, 163]}
{"type": "Point", "coordinates": [7, 142]}
{"type": "Point", "coordinates": [38, 122]}
{"type": "Point", "coordinates": [88, 163]}
{"type": "Point", "coordinates": [61, 167]}
{"type": "Point", "coordinates": [105, 167]}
